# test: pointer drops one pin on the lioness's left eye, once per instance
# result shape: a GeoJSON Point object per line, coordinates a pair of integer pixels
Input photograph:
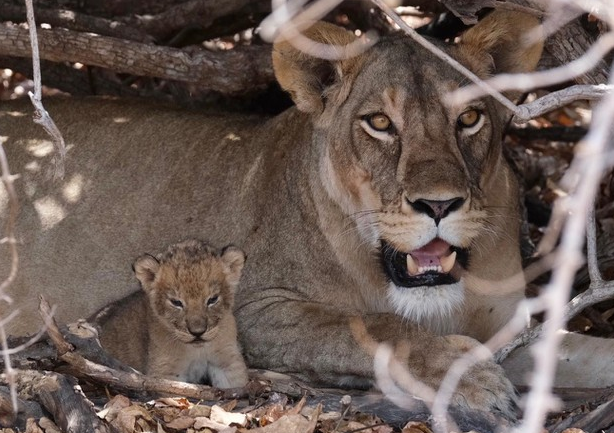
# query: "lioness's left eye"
{"type": "Point", "coordinates": [379, 122]}
{"type": "Point", "coordinates": [469, 118]}
{"type": "Point", "coordinates": [212, 300]}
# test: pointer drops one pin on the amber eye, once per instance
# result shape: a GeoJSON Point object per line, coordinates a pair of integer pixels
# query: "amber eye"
{"type": "Point", "coordinates": [176, 303]}
{"type": "Point", "coordinates": [379, 122]}
{"type": "Point", "coordinates": [469, 118]}
{"type": "Point", "coordinates": [212, 300]}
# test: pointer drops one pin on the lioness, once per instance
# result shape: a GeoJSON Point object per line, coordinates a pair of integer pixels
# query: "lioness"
{"type": "Point", "coordinates": [180, 326]}
{"type": "Point", "coordinates": [371, 199]}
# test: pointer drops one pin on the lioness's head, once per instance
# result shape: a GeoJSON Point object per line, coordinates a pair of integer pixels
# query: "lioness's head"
{"type": "Point", "coordinates": [190, 287]}
{"type": "Point", "coordinates": [425, 182]}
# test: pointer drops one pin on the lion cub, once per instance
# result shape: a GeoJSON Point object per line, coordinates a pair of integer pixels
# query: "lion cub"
{"type": "Point", "coordinates": [181, 325]}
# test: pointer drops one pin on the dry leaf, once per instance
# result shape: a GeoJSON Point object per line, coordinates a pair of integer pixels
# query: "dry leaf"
{"type": "Point", "coordinates": [416, 427]}
{"type": "Point", "coordinates": [49, 426]}
{"type": "Point", "coordinates": [229, 406]}
{"type": "Point", "coordinates": [221, 416]}
{"type": "Point", "coordinates": [326, 416]}
{"type": "Point", "coordinates": [573, 430]}
{"type": "Point", "coordinates": [199, 410]}
{"type": "Point", "coordinates": [178, 402]}
{"type": "Point", "coordinates": [32, 426]}
{"type": "Point", "coordinates": [181, 423]}
{"type": "Point", "coordinates": [385, 428]}
{"type": "Point", "coordinates": [287, 424]}
{"type": "Point", "coordinates": [298, 407]}
{"type": "Point", "coordinates": [203, 422]}
{"type": "Point", "coordinates": [124, 422]}
{"type": "Point", "coordinates": [113, 406]}
{"type": "Point", "coordinates": [273, 413]}
{"type": "Point", "coordinates": [353, 426]}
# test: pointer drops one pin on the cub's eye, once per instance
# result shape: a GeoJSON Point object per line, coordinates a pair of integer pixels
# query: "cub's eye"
{"type": "Point", "coordinates": [379, 122]}
{"type": "Point", "coordinates": [212, 300]}
{"type": "Point", "coordinates": [176, 303]}
{"type": "Point", "coordinates": [469, 118]}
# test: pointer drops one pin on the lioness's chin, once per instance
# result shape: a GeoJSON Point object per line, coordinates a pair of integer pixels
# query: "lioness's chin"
{"type": "Point", "coordinates": [427, 304]}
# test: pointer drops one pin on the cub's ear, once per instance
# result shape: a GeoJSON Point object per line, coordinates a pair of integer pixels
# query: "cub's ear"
{"type": "Point", "coordinates": [145, 268]}
{"type": "Point", "coordinates": [234, 259]}
{"type": "Point", "coordinates": [499, 43]}
{"type": "Point", "coordinates": [306, 77]}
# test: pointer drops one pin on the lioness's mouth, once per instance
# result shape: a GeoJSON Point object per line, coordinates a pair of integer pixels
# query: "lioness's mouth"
{"type": "Point", "coordinates": [435, 264]}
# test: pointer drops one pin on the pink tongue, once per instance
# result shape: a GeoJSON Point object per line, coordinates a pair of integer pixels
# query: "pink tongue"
{"type": "Point", "coordinates": [429, 254]}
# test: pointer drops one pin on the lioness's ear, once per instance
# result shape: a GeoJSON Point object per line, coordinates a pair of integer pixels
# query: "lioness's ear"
{"type": "Point", "coordinates": [234, 259]}
{"type": "Point", "coordinates": [503, 36]}
{"type": "Point", "coordinates": [306, 77]}
{"type": "Point", "coordinates": [145, 268]}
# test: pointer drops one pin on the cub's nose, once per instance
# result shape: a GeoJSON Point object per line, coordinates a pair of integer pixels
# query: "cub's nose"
{"type": "Point", "coordinates": [436, 209]}
{"type": "Point", "coordinates": [197, 331]}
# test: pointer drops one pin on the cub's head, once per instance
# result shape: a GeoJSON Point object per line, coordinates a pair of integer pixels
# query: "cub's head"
{"type": "Point", "coordinates": [424, 182]}
{"type": "Point", "coordinates": [191, 286]}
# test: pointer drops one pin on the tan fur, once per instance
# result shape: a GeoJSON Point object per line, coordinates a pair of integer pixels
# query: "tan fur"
{"type": "Point", "coordinates": [309, 194]}
{"type": "Point", "coordinates": [193, 340]}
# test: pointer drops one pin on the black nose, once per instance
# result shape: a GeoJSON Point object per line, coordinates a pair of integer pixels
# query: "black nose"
{"type": "Point", "coordinates": [437, 209]}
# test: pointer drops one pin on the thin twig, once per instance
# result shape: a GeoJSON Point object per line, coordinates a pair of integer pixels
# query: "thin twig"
{"type": "Point", "coordinates": [11, 223]}
{"type": "Point", "coordinates": [10, 239]}
{"type": "Point", "coordinates": [591, 248]}
{"type": "Point", "coordinates": [529, 81]}
{"type": "Point", "coordinates": [40, 114]}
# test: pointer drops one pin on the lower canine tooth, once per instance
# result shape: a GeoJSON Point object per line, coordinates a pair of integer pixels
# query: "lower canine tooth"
{"type": "Point", "coordinates": [447, 263]}
{"type": "Point", "coordinates": [412, 266]}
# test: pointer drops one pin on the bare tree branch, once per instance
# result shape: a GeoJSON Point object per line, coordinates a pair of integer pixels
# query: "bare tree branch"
{"type": "Point", "coordinates": [237, 70]}
{"type": "Point", "coordinates": [559, 99]}
{"type": "Point", "coordinates": [76, 21]}
{"type": "Point", "coordinates": [200, 13]}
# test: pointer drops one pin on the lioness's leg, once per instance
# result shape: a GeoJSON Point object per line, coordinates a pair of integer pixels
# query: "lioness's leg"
{"type": "Point", "coordinates": [583, 361]}
{"type": "Point", "coordinates": [284, 333]}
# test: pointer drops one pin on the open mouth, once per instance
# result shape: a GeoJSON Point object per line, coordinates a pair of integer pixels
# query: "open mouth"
{"type": "Point", "coordinates": [435, 264]}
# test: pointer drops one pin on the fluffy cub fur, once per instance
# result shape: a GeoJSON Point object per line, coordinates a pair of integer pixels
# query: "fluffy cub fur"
{"type": "Point", "coordinates": [180, 326]}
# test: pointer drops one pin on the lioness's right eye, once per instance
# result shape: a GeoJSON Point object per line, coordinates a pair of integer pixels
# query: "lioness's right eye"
{"type": "Point", "coordinates": [379, 122]}
{"type": "Point", "coordinates": [176, 303]}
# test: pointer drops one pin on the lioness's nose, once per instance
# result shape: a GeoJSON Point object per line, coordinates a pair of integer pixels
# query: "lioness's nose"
{"type": "Point", "coordinates": [437, 209]}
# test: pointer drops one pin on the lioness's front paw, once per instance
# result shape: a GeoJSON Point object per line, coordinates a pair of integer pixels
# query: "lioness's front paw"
{"type": "Point", "coordinates": [484, 386]}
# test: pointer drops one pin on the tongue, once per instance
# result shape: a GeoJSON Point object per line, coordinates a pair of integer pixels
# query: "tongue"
{"type": "Point", "coordinates": [430, 254]}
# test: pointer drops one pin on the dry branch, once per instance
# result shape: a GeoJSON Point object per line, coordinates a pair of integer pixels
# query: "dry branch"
{"type": "Point", "coordinates": [108, 8]}
{"type": "Point", "coordinates": [241, 69]}
{"type": "Point", "coordinates": [71, 411]}
{"type": "Point", "coordinates": [199, 13]}
{"type": "Point", "coordinates": [75, 21]}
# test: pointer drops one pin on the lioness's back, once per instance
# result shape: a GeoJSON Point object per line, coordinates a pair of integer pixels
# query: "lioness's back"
{"type": "Point", "coordinates": [138, 177]}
